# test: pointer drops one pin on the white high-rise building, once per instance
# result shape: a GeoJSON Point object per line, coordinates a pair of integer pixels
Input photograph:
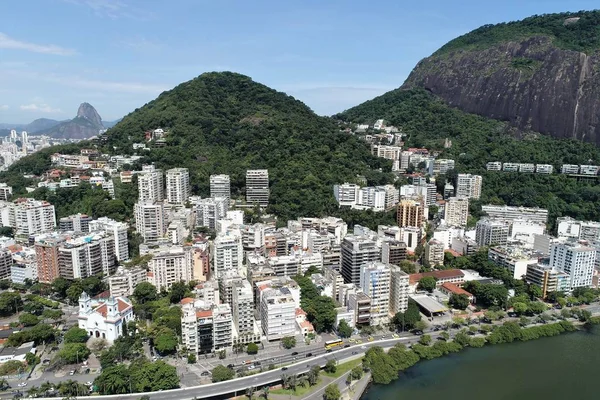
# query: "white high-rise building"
{"type": "Point", "coordinates": [399, 288]}
{"type": "Point", "coordinates": [511, 213]}
{"type": "Point", "coordinates": [119, 232]}
{"type": "Point", "coordinates": [31, 217]}
{"type": "Point", "coordinates": [346, 194]}
{"type": "Point", "coordinates": [468, 185]}
{"type": "Point", "coordinates": [491, 232]}
{"type": "Point", "coordinates": [178, 185]}
{"type": "Point", "coordinates": [87, 256]}
{"type": "Point", "coordinates": [123, 283]}
{"type": "Point", "coordinates": [243, 313]}
{"type": "Point", "coordinates": [277, 313]}
{"type": "Point", "coordinates": [576, 260]}
{"type": "Point", "coordinates": [209, 211]}
{"type": "Point", "coordinates": [375, 281]}
{"type": "Point", "coordinates": [220, 186]}
{"type": "Point", "coordinates": [257, 187]}
{"type": "Point", "coordinates": [150, 220]}
{"type": "Point", "coordinates": [456, 211]}
{"type": "Point", "coordinates": [357, 251]}
{"type": "Point", "coordinates": [24, 139]}
{"type": "Point", "coordinates": [151, 184]}
{"type": "Point", "coordinates": [5, 192]}
{"type": "Point", "coordinates": [228, 253]}
{"type": "Point", "coordinates": [169, 265]}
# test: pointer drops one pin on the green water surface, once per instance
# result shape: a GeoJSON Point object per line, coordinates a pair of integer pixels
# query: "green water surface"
{"type": "Point", "coordinates": [560, 367]}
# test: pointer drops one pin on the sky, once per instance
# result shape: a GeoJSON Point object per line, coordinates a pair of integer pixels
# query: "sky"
{"type": "Point", "coordinates": [120, 54]}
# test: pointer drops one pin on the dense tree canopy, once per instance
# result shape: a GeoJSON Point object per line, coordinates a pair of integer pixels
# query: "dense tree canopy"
{"type": "Point", "coordinates": [320, 310]}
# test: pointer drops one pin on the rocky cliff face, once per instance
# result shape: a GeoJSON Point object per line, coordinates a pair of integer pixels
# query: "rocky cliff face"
{"type": "Point", "coordinates": [86, 124]}
{"type": "Point", "coordinates": [530, 83]}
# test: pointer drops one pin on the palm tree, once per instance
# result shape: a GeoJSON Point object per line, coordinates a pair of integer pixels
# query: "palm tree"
{"type": "Point", "coordinates": [265, 392]}
{"type": "Point", "coordinates": [284, 380]}
{"type": "Point", "coordinates": [250, 392]}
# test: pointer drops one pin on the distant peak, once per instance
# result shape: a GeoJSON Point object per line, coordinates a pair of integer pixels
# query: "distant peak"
{"type": "Point", "coordinates": [87, 111]}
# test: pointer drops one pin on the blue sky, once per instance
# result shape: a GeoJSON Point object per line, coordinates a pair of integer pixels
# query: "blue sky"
{"type": "Point", "coordinates": [120, 54]}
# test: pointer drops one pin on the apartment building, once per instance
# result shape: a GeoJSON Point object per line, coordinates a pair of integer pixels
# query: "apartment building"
{"type": "Point", "coordinates": [178, 185]}
{"type": "Point", "coordinates": [31, 217]}
{"type": "Point", "coordinates": [220, 186]}
{"type": "Point", "coordinates": [393, 252]}
{"type": "Point", "coordinates": [123, 283]}
{"type": "Point", "coordinates": [399, 289]}
{"type": "Point", "coordinates": [150, 220]}
{"type": "Point", "coordinates": [434, 253]}
{"type": "Point", "coordinates": [576, 260]}
{"type": "Point", "coordinates": [168, 265]}
{"type": "Point", "coordinates": [550, 279]}
{"type": "Point", "coordinates": [76, 223]}
{"type": "Point", "coordinates": [456, 211]}
{"type": "Point", "coordinates": [346, 194]}
{"type": "Point", "coordinates": [151, 184]}
{"type": "Point", "coordinates": [257, 187]}
{"type": "Point", "coordinates": [243, 313]}
{"type": "Point", "coordinates": [277, 313]}
{"type": "Point", "coordinates": [118, 230]}
{"type": "Point", "coordinates": [491, 232]}
{"type": "Point", "coordinates": [511, 213]}
{"type": "Point", "coordinates": [494, 166]}
{"type": "Point", "coordinates": [410, 213]}
{"type": "Point", "coordinates": [222, 327]}
{"type": "Point", "coordinates": [209, 211]}
{"type": "Point", "coordinates": [6, 262]}
{"type": "Point", "coordinates": [468, 185]}
{"type": "Point", "coordinates": [356, 251]}
{"type": "Point", "coordinates": [512, 258]}
{"type": "Point", "coordinates": [206, 329]}
{"type": "Point", "coordinates": [86, 256]}
{"type": "Point", "coordinates": [46, 252]}
{"type": "Point", "coordinates": [228, 254]}
{"type": "Point", "coordinates": [375, 281]}
{"type": "Point", "coordinates": [5, 192]}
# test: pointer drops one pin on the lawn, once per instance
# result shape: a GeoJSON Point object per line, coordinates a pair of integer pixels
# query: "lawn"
{"type": "Point", "coordinates": [300, 390]}
{"type": "Point", "coordinates": [343, 368]}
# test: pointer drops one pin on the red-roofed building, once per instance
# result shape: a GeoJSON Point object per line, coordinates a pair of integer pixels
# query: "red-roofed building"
{"type": "Point", "coordinates": [450, 275]}
{"type": "Point", "coordinates": [306, 328]}
{"type": "Point", "coordinates": [107, 319]}
{"type": "Point", "coordinates": [450, 289]}
{"type": "Point", "coordinates": [186, 300]}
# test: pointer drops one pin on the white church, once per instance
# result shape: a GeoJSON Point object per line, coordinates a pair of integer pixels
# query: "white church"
{"type": "Point", "coordinates": [104, 319]}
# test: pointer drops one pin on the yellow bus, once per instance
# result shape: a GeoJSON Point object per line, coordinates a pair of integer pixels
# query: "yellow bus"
{"type": "Point", "coordinates": [330, 344]}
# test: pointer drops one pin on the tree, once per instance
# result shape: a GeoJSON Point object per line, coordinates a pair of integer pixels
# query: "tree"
{"type": "Point", "coordinates": [520, 308]}
{"type": "Point", "coordinates": [54, 315]}
{"type": "Point", "coordinates": [76, 335]}
{"type": "Point", "coordinates": [10, 303]}
{"type": "Point", "coordinates": [31, 359]}
{"type": "Point", "coordinates": [427, 283]}
{"type": "Point", "coordinates": [357, 372]}
{"type": "Point", "coordinates": [535, 292]}
{"type": "Point", "coordinates": [420, 325]}
{"type": "Point", "coordinates": [33, 307]}
{"type": "Point", "coordinates": [178, 291]}
{"type": "Point", "coordinates": [459, 301]}
{"type": "Point", "coordinates": [98, 345]}
{"type": "Point", "coordinates": [331, 366]}
{"type": "Point", "coordinates": [332, 392]}
{"type": "Point", "coordinates": [113, 380]}
{"type": "Point", "coordinates": [222, 354]}
{"type": "Point", "coordinates": [74, 292]}
{"type": "Point", "coordinates": [288, 342]}
{"type": "Point", "coordinates": [250, 392]}
{"type": "Point", "coordinates": [537, 307]}
{"type": "Point", "coordinates": [152, 376]}
{"type": "Point", "coordinates": [343, 329]}
{"type": "Point", "coordinates": [313, 375]}
{"type": "Point", "coordinates": [221, 373]}
{"type": "Point", "coordinates": [425, 340]}
{"type": "Point", "coordinates": [380, 364]}
{"type": "Point", "coordinates": [265, 392]}
{"type": "Point", "coordinates": [252, 348]}
{"type": "Point", "coordinates": [72, 353]}
{"type": "Point", "coordinates": [27, 319]}
{"type": "Point", "coordinates": [166, 341]}
{"type": "Point", "coordinates": [191, 358]}
{"type": "Point", "coordinates": [144, 292]}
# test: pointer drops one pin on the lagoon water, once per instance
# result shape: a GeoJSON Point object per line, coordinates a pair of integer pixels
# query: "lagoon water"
{"type": "Point", "coordinates": [560, 367]}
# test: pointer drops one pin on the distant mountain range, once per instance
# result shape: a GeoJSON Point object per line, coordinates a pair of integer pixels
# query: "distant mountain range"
{"type": "Point", "coordinates": [86, 124]}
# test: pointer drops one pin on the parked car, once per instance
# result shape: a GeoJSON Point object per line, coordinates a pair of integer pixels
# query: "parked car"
{"type": "Point", "coordinates": [230, 366]}
{"type": "Point", "coordinates": [284, 368]}
{"type": "Point", "coordinates": [346, 346]}
{"type": "Point", "coordinates": [309, 355]}
{"type": "Point", "coordinates": [22, 384]}
{"type": "Point", "coordinates": [251, 367]}
{"type": "Point", "coordinates": [295, 353]}
{"type": "Point", "coordinates": [72, 372]}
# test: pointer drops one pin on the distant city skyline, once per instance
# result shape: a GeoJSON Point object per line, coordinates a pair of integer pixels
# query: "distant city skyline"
{"type": "Point", "coordinates": [120, 54]}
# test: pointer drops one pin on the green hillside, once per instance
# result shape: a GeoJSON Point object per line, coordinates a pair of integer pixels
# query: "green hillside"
{"type": "Point", "coordinates": [428, 121]}
{"type": "Point", "coordinates": [582, 35]}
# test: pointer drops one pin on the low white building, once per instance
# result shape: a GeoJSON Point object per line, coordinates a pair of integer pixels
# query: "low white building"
{"type": "Point", "coordinates": [106, 319]}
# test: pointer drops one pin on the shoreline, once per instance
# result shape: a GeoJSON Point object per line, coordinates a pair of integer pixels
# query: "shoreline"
{"type": "Point", "coordinates": [577, 325]}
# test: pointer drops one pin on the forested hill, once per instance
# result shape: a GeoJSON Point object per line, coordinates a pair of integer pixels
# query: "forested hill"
{"type": "Point", "coordinates": [428, 121]}
{"type": "Point", "coordinates": [225, 123]}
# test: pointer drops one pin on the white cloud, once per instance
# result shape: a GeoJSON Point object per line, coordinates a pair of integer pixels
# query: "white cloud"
{"type": "Point", "coordinates": [43, 108]}
{"type": "Point", "coordinates": [6, 42]}
{"type": "Point", "coordinates": [108, 86]}
{"type": "Point", "coordinates": [4, 107]}
{"type": "Point", "coordinates": [114, 9]}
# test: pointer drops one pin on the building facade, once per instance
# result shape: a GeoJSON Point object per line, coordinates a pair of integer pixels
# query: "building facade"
{"type": "Point", "coordinates": [257, 187]}
{"type": "Point", "coordinates": [178, 185]}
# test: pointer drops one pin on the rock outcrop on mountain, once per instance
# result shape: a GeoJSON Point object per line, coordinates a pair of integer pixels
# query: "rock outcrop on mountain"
{"type": "Point", "coordinates": [540, 74]}
{"type": "Point", "coordinates": [86, 124]}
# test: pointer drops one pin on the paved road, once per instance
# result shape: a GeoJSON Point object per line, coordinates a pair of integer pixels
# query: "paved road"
{"type": "Point", "coordinates": [238, 386]}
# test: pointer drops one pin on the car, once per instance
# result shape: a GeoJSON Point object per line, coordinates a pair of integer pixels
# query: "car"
{"type": "Point", "coordinates": [328, 351]}
{"type": "Point", "coordinates": [284, 368]}
{"type": "Point", "coordinates": [308, 354]}
{"type": "Point", "coordinates": [346, 346]}
{"type": "Point", "coordinates": [395, 336]}
{"type": "Point", "coordinates": [205, 373]}
{"type": "Point", "coordinates": [88, 383]}
{"type": "Point", "coordinates": [250, 367]}
{"type": "Point", "coordinates": [230, 366]}
{"type": "Point", "coordinates": [354, 352]}
{"type": "Point", "coordinates": [417, 332]}
{"type": "Point", "coordinates": [295, 353]}
{"type": "Point", "coordinates": [46, 361]}
{"type": "Point", "coordinates": [371, 338]}
{"type": "Point", "coordinates": [363, 347]}
{"type": "Point", "coordinates": [72, 372]}
{"type": "Point", "coordinates": [22, 384]}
